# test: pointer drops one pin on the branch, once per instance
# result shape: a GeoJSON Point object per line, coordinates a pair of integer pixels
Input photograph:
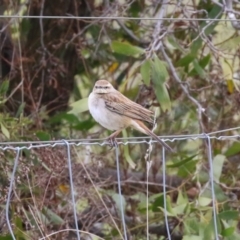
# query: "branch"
{"type": "Point", "coordinates": [185, 90]}
{"type": "Point", "coordinates": [157, 38]}
{"type": "Point", "coordinates": [130, 33]}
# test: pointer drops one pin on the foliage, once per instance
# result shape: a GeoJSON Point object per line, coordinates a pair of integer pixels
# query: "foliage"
{"type": "Point", "coordinates": [186, 70]}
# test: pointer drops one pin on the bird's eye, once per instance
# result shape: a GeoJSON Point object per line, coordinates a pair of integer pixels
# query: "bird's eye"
{"type": "Point", "coordinates": [105, 87]}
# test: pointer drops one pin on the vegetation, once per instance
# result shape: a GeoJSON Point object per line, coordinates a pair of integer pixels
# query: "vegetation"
{"type": "Point", "coordinates": [185, 67]}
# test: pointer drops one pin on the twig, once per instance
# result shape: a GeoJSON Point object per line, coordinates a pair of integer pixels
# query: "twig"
{"type": "Point", "coordinates": [43, 60]}
{"type": "Point", "coordinates": [157, 38]}
{"type": "Point", "coordinates": [185, 90]}
{"type": "Point", "coordinates": [129, 32]}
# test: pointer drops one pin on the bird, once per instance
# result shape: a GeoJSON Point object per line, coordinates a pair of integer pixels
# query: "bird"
{"type": "Point", "coordinates": [115, 112]}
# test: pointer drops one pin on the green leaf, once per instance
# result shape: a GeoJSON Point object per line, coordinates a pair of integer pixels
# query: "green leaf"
{"type": "Point", "coordinates": [199, 66]}
{"type": "Point", "coordinates": [6, 237]}
{"type": "Point", "coordinates": [5, 131]}
{"type": "Point", "coordinates": [53, 217]}
{"type": "Point", "coordinates": [20, 109]}
{"type": "Point", "coordinates": [198, 70]}
{"type": "Point", "coordinates": [181, 198]}
{"type": "Point", "coordinates": [227, 232]}
{"type": "Point", "coordinates": [43, 136]}
{"type": "Point", "coordinates": [19, 228]}
{"type": "Point", "coordinates": [197, 44]}
{"type": "Point", "coordinates": [180, 209]}
{"type": "Point", "coordinates": [207, 228]}
{"type": "Point", "coordinates": [175, 43]}
{"type": "Point", "coordinates": [84, 125]}
{"type": "Point", "coordinates": [119, 203]}
{"type": "Point", "coordinates": [169, 208]}
{"type": "Point", "coordinates": [214, 13]}
{"type": "Point", "coordinates": [233, 150]}
{"type": "Point", "coordinates": [229, 215]}
{"type": "Point", "coordinates": [204, 61]}
{"type": "Point", "coordinates": [159, 77]}
{"type": "Point", "coordinates": [163, 98]}
{"type": "Point", "coordinates": [217, 166]}
{"type": "Point", "coordinates": [158, 202]}
{"type": "Point", "coordinates": [185, 61]}
{"type": "Point", "coordinates": [4, 87]}
{"type": "Point", "coordinates": [159, 71]}
{"type": "Point", "coordinates": [219, 193]}
{"type": "Point", "coordinates": [182, 162]}
{"type": "Point", "coordinates": [187, 169]}
{"type": "Point", "coordinates": [79, 106]}
{"type": "Point", "coordinates": [203, 201]}
{"type": "Point", "coordinates": [70, 118]}
{"type": "Point", "coordinates": [126, 153]}
{"type": "Point", "coordinates": [135, 9]}
{"type": "Point", "coordinates": [191, 225]}
{"type": "Point", "coordinates": [146, 71]}
{"type": "Point", "coordinates": [127, 49]}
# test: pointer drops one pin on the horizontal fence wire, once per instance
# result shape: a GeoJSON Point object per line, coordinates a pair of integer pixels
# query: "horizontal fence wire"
{"type": "Point", "coordinates": [102, 142]}
{"type": "Point", "coordinates": [207, 137]}
{"type": "Point", "coordinates": [119, 18]}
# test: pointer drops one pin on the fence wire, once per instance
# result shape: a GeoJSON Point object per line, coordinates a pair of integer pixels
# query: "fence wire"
{"type": "Point", "coordinates": [18, 146]}
{"type": "Point", "coordinates": [118, 18]}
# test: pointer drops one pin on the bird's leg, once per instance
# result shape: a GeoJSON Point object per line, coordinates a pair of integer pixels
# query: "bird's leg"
{"type": "Point", "coordinates": [111, 138]}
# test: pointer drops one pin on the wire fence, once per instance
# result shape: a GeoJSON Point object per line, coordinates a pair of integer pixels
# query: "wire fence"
{"type": "Point", "coordinates": [207, 137]}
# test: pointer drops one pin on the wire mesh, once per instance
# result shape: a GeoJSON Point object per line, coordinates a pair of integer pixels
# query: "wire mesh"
{"type": "Point", "coordinates": [19, 146]}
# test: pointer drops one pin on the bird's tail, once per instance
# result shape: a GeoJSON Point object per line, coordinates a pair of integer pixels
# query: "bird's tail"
{"type": "Point", "coordinates": [149, 132]}
{"type": "Point", "coordinates": [141, 127]}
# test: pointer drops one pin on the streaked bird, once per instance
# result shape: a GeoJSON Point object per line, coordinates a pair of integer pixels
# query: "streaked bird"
{"type": "Point", "coordinates": [114, 111]}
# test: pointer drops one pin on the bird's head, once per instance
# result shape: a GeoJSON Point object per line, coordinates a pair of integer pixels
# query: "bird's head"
{"type": "Point", "coordinates": [103, 86]}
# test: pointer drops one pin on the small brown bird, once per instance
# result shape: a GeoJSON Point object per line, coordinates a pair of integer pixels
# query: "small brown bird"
{"type": "Point", "coordinates": [114, 111]}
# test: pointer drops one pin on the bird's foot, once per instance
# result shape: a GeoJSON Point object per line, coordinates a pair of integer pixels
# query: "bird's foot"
{"type": "Point", "coordinates": [112, 142]}
{"type": "Point", "coordinates": [112, 139]}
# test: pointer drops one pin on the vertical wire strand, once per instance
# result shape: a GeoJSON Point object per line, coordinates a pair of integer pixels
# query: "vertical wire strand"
{"type": "Point", "coordinates": [164, 192]}
{"type": "Point", "coordinates": [72, 187]}
{"type": "Point", "coordinates": [210, 160]}
{"type": "Point", "coordinates": [147, 201]}
{"type": "Point", "coordinates": [148, 167]}
{"type": "Point", "coordinates": [10, 192]}
{"type": "Point", "coordinates": [120, 192]}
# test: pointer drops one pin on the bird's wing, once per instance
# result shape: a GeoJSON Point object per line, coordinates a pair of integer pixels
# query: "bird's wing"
{"type": "Point", "coordinates": [119, 104]}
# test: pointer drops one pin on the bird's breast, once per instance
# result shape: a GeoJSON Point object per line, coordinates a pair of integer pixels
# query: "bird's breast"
{"type": "Point", "coordinates": [103, 116]}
